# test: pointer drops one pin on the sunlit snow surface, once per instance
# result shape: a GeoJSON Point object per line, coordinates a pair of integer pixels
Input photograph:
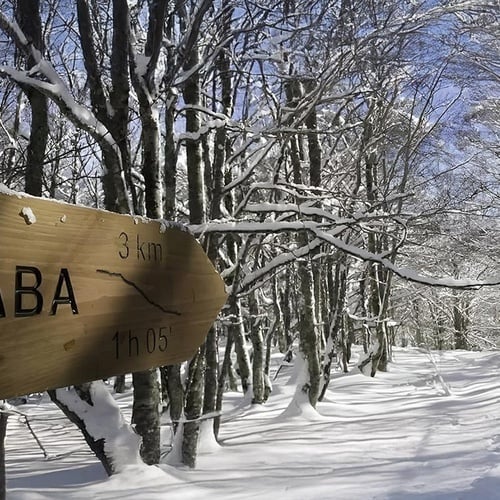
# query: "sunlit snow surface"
{"type": "Point", "coordinates": [428, 429]}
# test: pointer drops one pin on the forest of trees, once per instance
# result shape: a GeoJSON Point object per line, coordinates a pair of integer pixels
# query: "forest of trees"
{"type": "Point", "coordinates": [337, 159]}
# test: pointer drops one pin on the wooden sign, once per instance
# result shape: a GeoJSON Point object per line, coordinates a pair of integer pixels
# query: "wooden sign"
{"type": "Point", "coordinates": [87, 294]}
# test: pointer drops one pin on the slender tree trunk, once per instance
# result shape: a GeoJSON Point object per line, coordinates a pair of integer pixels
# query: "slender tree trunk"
{"type": "Point", "coordinates": [460, 322]}
{"type": "Point", "coordinates": [193, 409]}
{"type": "Point", "coordinates": [194, 158]}
{"type": "Point", "coordinates": [146, 89]}
{"type": "Point", "coordinates": [3, 433]}
{"type": "Point", "coordinates": [146, 413]}
{"type": "Point", "coordinates": [236, 330]}
{"type": "Point", "coordinates": [221, 385]}
{"type": "Point", "coordinates": [170, 153]}
{"type": "Point", "coordinates": [118, 122]}
{"type": "Point", "coordinates": [279, 328]}
{"type": "Point", "coordinates": [28, 13]}
{"type": "Point", "coordinates": [115, 192]}
{"type": "Point", "coordinates": [257, 339]}
{"type": "Point", "coordinates": [196, 203]}
{"type": "Point", "coordinates": [211, 371]}
{"type": "Point", "coordinates": [337, 284]}
{"type": "Point", "coordinates": [308, 335]}
{"type": "Point", "coordinates": [268, 387]}
{"type": "Point", "coordinates": [175, 391]}
{"type": "Point", "coordinates": [119, 384]}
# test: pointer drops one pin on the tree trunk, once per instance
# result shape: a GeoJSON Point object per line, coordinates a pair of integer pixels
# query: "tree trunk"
{"type": "Point", "coordinates": [211, 371]}
{"type": "Point", "coordinates": [118, 120]}
{"type": "Point", "coordinates": [194, 158]}
{"type": "Point", "coordinates": [119, 384]}
{"type": "Point", "coordinates": [28, 13]}
{"type": "Point", "coordinates": [170, 153]}
{"type": "Point", "coordinates": [115, 193]}
{"type": "Point", "coordinates": [236, 331]}
{"type": "Point", "coordinates": [258, 351]}
{"type": "Point", "coordinates": [308, 335]}
{"type": "Point", "coordinates": [146, 413]}
{"type": "Point", "coordinates": [193, 409]}
{"type": "Point", "coordinates": [175, 391]}
{"type": "Point", "coordinates": [147, 93]}
{"type": "Point", "coordinates": [3, 433]}
{"type": "Point", "coordinates": [221, 384]}
{"type": "Point", "coordinates": [460, 322]}
{"type": "Point", "coordinates": [196, 203]}
{"type": "Point", "coordinates": [337, 285]}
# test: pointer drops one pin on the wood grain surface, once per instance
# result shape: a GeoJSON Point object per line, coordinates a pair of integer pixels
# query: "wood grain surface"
{"type": "Point", "coordinates": [98, 294]}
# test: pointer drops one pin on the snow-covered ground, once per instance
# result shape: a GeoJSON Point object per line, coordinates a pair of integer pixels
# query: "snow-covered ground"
{"type": "Point", "coordinates": [428, 429]}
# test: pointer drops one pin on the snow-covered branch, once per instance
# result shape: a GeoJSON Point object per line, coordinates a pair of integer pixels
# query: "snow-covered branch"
{"type": "Point", "coordinates": [329, 236]}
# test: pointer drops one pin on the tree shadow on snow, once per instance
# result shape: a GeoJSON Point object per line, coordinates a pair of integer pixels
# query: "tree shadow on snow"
{"type": "Point", "coordinates": [484, 488]}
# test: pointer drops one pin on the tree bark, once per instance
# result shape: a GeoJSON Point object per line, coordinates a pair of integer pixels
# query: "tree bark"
{"type": "Point", "coordinates": [337, 285]}
{"type": "Point", "coordinates": [257, 340]}
{"type": "Point", "coordinates": [115, 194]}
{"type": "Point", "coordinates": [170, 166]}
{"type": "Point", "coordinates": [237, 334]}
{"type": "Point", "coordinates": [3, 433]}
{"type": "Point", "coordinates": [308, 334]}
{"type": "Point", "coordinates": [146, 413]}
{"type": "Point", "coordinates": [211, 371]}
{"type": "Point", "coordinates": [147, 93]}
{"type": "Point", "coordinates": [221, 383]}
{"type": "Point", "coordinates": [193, 409]}
{"type": "Point", "coordinates": [194, 160]}
{"type": "Point", "coordinates": [175, 392]}
{"type": "Point", "coordinates": [28, 13]}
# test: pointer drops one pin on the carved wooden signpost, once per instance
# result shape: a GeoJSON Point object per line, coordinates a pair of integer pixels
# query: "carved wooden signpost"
{"type": "Point", "coordinates": [86, 294]}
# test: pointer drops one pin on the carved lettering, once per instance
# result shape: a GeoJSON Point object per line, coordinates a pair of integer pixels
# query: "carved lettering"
{"type": "Point", "coordinates": [28, 297]}
{"type": "Point", "coordinates": [131, 344]}
{"type": "Point", "coordinates": [2, 307]}
{"type": "Point", "coordinates": [27, 290]}
{"type": "Point", "coordinates": [145, 251]}
{"type": "Point", "coordinates": [124, 252]}
{"type": "Point", "coordinates": [140, 249]}
{"type": "Point", "coordinates": [58, 298]}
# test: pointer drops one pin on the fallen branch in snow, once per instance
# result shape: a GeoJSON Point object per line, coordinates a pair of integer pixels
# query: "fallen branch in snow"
{"type": "Point", "coordinates": [9, 410]}
{"type": "Point", "coordinates": [35, 437]}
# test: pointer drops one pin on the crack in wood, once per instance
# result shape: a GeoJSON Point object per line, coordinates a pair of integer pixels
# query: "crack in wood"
{"type": "Point", "coordinates": [141, 292]}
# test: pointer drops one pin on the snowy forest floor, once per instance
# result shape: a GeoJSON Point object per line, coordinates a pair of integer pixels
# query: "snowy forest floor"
{"type": "Point", "coordinates": [427, 429]}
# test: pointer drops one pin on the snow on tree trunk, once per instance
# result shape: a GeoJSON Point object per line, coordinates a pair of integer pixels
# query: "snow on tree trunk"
{"type": "Point", "coordinates": [300, 405]}
{"type": "Point", "coordinates": [93, 410]}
